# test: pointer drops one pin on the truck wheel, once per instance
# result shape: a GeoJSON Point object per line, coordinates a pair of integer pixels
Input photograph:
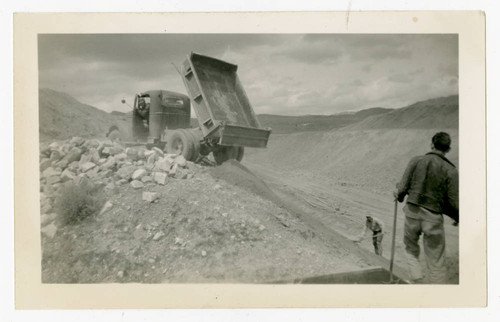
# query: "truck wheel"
{"type": "Point", "coordinates": [190, 144]}
{"type": "Point", "coordinates": [195, 138]}
{"type": "Point", "coordinates": [178, 143]}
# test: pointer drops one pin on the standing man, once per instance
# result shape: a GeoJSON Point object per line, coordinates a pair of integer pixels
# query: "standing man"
{"type": "Point", "coordinates": [431, 183]}
{"type": "Point", "coordinates": [376, 226]}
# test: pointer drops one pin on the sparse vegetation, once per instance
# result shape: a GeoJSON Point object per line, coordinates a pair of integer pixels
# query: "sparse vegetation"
{"type": "Point", "coordinates": [79, 201]}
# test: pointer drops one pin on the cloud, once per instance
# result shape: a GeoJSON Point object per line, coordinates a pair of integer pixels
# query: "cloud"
{"type": "Point", "coordinates": [315, 52]}
{"type": "Point", "coordinates": [400, 78]}
{"type": "Point", "coordinates": [281, 73]}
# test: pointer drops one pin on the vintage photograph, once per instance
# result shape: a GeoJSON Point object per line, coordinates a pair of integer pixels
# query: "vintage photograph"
{"type": "Point", "coordinates": [249, 158]}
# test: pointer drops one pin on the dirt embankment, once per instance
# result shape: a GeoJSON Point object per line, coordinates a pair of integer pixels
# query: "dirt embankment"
{"type": "Point", "coordinates": [206, 224]}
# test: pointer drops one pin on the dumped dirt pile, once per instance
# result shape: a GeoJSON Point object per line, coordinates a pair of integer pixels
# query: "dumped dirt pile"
{"type": "Point", "coordinates": [107, 164]}
{"type": "Point", "coordinates": [198, 228]}
{"type": "Point", "coordinates": [237, 174]}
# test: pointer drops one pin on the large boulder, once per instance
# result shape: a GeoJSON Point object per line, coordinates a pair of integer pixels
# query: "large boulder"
{"type": "Point", "coordinates": [44, 164]}
{"type": "Point", "coordinates": [163, 164]}
{"type": "Point", "coordinates": [132, 154]}
{"type": "Point", "coordinates": [54, 146]}
{"type": "Point", "coordinates": [84, 159]}
{"type": "Point", "coordinates": [94, 155]}
{"type": "Point", "coordinates": [74, 166]}
{"type": "Point", "coordinates": [67, 175]}
{"type": "Point", "coordinates": [158, 151]}
{"type": "Point", "coordinates": [50, 172]}
{"type": "Point", "coordinates": [181, 161]}
{"type": "Point", "coordinates": [160, 177]}
{"type": "Point", "coordinates": [110, 162]}
{"type": "Point", "coordinates": [77, 141]}
{"type": "Point", "coordinates": [149, 196]}
{"type": "Point", "coordinates": [138, 174]}
{"type": "Point", "coordinates": [173, 170]}
{"type": "Point", "coordinates": [74, 155]}
{"type": "Point", "coordinates": [55, 156]}
{"type": "Point", "coordinates": [49, 230]}
{"type": "Point", "coordinates": [46, 219]}
{"type": "Point", "coordinates": [87, 166]}
{"type": "Point", "coordinates": [126, 172]}
{"type": "Point", "coordinates": [137, 184]}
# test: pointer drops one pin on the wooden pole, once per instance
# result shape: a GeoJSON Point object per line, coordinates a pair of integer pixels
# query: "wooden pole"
{"type": "Point", "coordinates": [393, 248]}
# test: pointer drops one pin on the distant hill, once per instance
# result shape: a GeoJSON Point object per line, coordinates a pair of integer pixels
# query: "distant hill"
{"type": "Point", "coordinates": [281, 124]}
{"type": "Point", "coordinates": [61, 116]}
{"type": "Point", "coordinates": [430, 114]}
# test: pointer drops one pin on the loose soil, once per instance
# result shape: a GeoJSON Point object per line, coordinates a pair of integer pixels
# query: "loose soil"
{"type": "Point", "coordinates": [204, 229]}
{"type": "Point", "coordinates": [339, 177]}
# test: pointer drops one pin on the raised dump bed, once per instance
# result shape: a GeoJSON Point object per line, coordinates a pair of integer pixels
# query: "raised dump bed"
{"type": "Point", "coordinates": [221, 104]}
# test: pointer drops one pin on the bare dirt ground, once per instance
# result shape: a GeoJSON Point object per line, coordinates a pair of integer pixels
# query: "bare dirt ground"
{"type": "Point", "coordinates": [340, 193]}
{"type": "Point", "coordinates": [287, 212]}
{"type": "Point", "coordinates": [210, 228]}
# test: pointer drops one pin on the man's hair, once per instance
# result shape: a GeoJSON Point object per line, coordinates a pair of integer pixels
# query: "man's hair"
{"type": "Point", "coordinates": [441, 141]}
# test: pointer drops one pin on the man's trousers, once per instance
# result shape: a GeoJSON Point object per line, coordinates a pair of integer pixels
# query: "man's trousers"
{"type": "Point", "coordinates": [420, 221]}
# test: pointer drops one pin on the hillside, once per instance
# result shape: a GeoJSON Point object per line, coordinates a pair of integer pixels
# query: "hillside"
{"type": "Point", "coordinates": [434, 113]}
{"type": "Point", "coordinates": [61, 117]}
{"type": "Point", "coordinates": [282, 124]}
{"type": "Point", "coordinates": [370, 153]}
{"type": "Point", "coordinates": [344, 174]}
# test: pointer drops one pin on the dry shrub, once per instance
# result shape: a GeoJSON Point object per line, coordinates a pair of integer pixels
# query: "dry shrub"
{"type": "Point", "coordinates": [79, 201]}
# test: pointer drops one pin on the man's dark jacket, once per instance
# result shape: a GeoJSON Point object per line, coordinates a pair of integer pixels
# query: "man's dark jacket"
{"type": "Point", "coordinates": [431, 181]}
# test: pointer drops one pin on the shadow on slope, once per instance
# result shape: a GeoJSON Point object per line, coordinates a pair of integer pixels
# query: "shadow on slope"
{"type": "Point", "coordinates": [237, 174]}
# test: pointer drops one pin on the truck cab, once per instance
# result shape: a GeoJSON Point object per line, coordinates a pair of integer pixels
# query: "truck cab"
{"type": "Point", "coordinates": [156, 111]}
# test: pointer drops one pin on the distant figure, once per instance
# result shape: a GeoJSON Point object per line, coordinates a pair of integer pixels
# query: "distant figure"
{"type": "Point", "coordinates": [431, 183]}
{"type": "Point", "coordinates": [377, 228]}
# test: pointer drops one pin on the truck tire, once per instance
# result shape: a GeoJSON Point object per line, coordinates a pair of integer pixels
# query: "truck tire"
{"type": "Point", "coordinates": [195, 138]}
{"type": "Point", "coordinates": [190, 144]}
{"type": "Point", "coordinates": [179, 143]}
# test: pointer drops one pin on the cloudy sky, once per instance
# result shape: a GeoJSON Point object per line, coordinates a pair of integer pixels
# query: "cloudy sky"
{"type": "Point", "coordinates": [282, 74]}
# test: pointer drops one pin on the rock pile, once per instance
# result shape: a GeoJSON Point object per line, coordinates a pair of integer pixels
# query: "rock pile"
{"type": "Point", "coordinates": [107, 163]}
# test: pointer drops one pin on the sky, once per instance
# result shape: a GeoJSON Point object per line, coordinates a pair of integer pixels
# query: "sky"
{"type": "Point", "coordinates": [285, 74]}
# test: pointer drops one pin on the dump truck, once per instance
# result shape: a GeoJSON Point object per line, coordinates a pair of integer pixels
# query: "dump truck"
{"type": "Point", "coordinates": [226, 121]}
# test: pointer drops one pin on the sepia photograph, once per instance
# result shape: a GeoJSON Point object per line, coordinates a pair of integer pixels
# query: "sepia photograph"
{"type": "Point", "coordinates": [249, 158]}
{"type": "Point", "coordinates": [225, 164]}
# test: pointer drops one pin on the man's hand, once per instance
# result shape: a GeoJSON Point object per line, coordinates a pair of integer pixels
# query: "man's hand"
{"type": "Point", "coordinates": [395, 193]}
